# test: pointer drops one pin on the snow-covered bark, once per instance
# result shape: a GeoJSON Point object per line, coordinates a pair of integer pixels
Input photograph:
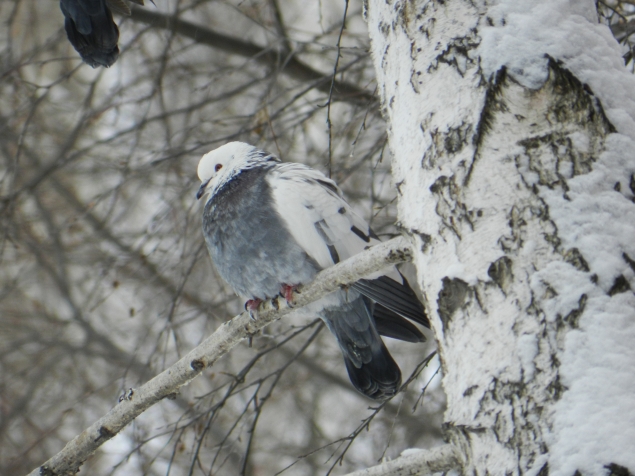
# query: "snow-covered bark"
{"type": "Point", "coordinates": [511, 126]}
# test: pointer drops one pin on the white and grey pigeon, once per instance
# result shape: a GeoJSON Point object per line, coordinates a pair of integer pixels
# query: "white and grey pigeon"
{"type": "Point", "coordinates": [271, 226]}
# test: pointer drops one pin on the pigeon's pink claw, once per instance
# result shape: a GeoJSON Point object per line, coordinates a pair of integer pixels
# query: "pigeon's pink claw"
{"type": "Point", "coordinates": [252, 305]}
{"type": "Point", "coordinates": [287, 291]}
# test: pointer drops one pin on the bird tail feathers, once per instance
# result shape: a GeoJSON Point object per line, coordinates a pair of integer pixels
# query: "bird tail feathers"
{"type": "Point", "coordinates": [370, 366]}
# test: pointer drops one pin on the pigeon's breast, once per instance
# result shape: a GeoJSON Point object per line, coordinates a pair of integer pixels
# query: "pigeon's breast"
{"type": "Point", "coordinates": [248, 241]}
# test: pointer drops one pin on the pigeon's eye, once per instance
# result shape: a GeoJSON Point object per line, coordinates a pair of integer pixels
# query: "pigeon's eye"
{"type": "Point", "coordinates": [218, 167]}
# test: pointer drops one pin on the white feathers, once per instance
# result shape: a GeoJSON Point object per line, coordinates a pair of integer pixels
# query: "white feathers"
{"type": "Point", "coordinates": [220, 165]}
{"type": "Point", "coordinates": [234, 152]}
{"type": "Point", "coordinates": [316, 214]}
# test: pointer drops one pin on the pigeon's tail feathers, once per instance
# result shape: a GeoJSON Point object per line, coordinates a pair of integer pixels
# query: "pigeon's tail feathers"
{"type": "Point", "coordinates": [92, 31]}
{"type": "Point", "coordinates": [396, 296]}
{"type": "Point", "coordinates": [378, 379]}
{"type": "Point", "coordinates": [370, 366]}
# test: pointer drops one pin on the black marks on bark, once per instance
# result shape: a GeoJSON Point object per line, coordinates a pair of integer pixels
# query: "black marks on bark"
{"type": "Point", "coordinates": [573, 318]}
{"type": "Point", "coordinates": [425, 242]}
{"type": "Point", "coordinates": [197, 365]}
{"type": "Point", "coordinates": [453, 296]}
{"type": "Point", "coordinates": [470, 390]}
{"type": "Point", "coordinates": [518, 219]}
{"type": "Point", "coordinates": [456, 138]}
{"type": "Point", "coordinates": [575, 259]}
{"type": "Point", "coordinates": [631, 185]}
{"type": "Point", "coordinates": [105, 433]}
{"type": "Point", "coordinates": [574, 131]}
{"type": "Point", "coordinates": [426, 28]}
{"type": "Point", "coordinates": [629, 261]}
{"type": "Point", "coordinates": [432, 153]}
{"type": "Point", "coordinates": [577, 99]}
{"type": "Point", "coordinates": [620, 285]}
{"type": "Point", "coordinates": [449, 206]}
{"type": "Point", "coordinates": [544, 471]}
{"type": "Point", "coordinates": [46, 471]}
{"type": "Point", "coordinates": [492, 105]}
{"type": "Point", "coordinates": [501, 272]}
{"type": "Point", "coordinates": [614, 469]}
{"type": "Point", "coordinates": [457, 53]}
{"type": "Point", "coordinates": [384, 28]}
{"type": "Point", "coordinates": [439, 184]}
{"type": "Point", "coordinates": [555, 389]}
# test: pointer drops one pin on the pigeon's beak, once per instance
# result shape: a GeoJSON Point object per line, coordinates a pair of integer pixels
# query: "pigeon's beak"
{"type": "Point", "coordinates": [201, 190]}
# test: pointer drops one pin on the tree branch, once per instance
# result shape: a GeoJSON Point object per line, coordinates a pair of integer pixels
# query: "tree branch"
{"type": "Point", "coordinates": [268, 56]}
{"type": "Point", "coordinates": [168, 382]}
{"type": "Point", "coordinates": [421, 463]}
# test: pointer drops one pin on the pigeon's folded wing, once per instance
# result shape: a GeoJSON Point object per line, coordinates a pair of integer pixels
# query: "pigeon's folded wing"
{"type": "Point", "coordinates": [397, 296]}
{"type": "Point", "coordinates": [390, 324]}
{"type": "Point", "coordinates": [328, 229]}
{"type": "Point", "coordinates": [316, 214]}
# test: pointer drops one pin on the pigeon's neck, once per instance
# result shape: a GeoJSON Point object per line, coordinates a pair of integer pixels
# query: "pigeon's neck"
{"type": "Point", "coordinates": [241, 181]}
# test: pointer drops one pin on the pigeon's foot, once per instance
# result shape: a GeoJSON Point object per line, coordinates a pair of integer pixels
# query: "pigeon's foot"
{"type": "Point", "coordinates": [287, 292]}
{"type": "Point", "coordinates": [251, 306]}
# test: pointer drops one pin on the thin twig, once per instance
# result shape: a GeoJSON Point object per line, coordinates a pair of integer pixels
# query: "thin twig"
{"type": "Point", "coordinates": [328, 104]}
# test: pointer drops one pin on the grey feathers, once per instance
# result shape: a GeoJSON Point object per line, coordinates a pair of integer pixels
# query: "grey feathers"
{"type": "Point", "coordinates": [247, 241]}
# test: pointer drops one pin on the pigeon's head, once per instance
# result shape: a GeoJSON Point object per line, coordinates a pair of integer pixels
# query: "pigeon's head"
{"type": "Point", "coordinates": [221, 165]}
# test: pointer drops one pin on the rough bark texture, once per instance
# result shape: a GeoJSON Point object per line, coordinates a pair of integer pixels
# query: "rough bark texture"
{"type": "Point", "coordinates": [474, 159]}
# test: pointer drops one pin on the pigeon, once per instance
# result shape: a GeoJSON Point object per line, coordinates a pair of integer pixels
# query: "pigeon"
{"type": "Point", "coordinates": [271, 226]}
{"type": "Point", "coordinates": [91, 29]}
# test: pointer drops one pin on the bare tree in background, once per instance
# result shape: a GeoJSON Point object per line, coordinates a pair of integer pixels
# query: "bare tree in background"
{"type": "Point", "coordinates": [104, 277]}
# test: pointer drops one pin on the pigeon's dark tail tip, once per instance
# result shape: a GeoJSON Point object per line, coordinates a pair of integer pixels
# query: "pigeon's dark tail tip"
{"type": "Point", "coordinates": [379, 379]}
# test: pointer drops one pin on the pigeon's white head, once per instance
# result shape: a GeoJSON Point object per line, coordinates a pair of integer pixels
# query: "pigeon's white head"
{"type": "Point", "coordinates": [221, 165]}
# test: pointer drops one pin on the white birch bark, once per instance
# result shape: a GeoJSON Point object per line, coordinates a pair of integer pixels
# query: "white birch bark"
{"type": "Point", "coordinates": [516, 183]}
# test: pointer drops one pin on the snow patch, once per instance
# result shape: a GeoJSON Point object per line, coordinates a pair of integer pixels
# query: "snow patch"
{"type": "Point", "coordinates": [524, 32]}
{"type": "Point", "coordinates": [594, 421]}
{"type": "Point", "coordinates": [527, 352]}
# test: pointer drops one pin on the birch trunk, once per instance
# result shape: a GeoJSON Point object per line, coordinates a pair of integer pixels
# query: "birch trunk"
{"type": "Point", "coordinates": [517, 189]}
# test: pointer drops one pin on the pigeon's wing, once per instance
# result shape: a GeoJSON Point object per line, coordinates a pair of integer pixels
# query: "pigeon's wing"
{"type": "Point", "coordinates": [91, 30]}
{"type": "Point", "coordinates": [315, 212]}
{"type": "Point", "coordinates": [397, 296]}
{"type": "Point", "coordinates": [328, 229]}
{"type": "Point", "coordinates": [390, 324]}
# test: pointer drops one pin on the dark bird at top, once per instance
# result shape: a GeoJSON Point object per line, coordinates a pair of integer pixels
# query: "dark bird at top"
{"type": "Point", "coordinates": [91, 29]}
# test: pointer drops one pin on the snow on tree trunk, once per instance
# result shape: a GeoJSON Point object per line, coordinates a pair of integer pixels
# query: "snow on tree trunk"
{"type": "Point", "coordinates": [511, 126]}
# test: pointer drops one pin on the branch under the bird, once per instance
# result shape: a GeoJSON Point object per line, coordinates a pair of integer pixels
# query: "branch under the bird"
{"type": "Point", "coordinates": [168, 382]}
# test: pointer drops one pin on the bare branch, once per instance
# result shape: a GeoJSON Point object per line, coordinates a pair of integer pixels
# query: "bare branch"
{"type": "Point", "coordinates": [167, 383]}
{"type": "Point", "coordinates": [293, 67]}
{"type": "Point", "coordinates": [424, 462]}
